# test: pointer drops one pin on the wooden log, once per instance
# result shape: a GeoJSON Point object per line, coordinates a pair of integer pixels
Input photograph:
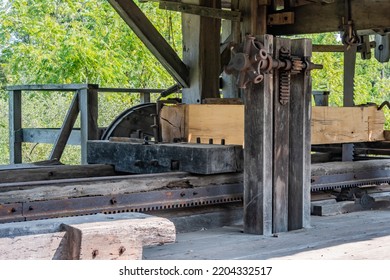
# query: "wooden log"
{"type": "Point", "coordinates": [329, 125]}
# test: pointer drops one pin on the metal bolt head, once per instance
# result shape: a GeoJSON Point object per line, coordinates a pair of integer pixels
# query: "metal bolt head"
{"type": "Point", "coordinates": [95, 253]}
{"type": "Point", "coordinates": [122, 249]}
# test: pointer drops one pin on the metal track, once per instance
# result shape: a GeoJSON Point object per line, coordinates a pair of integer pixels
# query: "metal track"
{"type": "Point", "coordinates": [135, 202]}
{"type": "Point", "coordinates": [350, 180]}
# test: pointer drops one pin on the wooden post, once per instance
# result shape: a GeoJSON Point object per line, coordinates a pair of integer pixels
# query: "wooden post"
{"type": "Point", "coordinates": [144, 97]}
{"type": "Point", "coordinates": [66, 129]}
{"type": "Point", "coordinates": [300, 138]}
{"type": "Point", "coordinates": [280, 149]}
{"type": "Point", "coordinates": [348, 98]}
{"type": "Point", "coordinates": [88, 104]}
{"type": "Point", "coordinates": [201, 52]}
{"type": "Point", "coordinates": [15, 126]}
{"type": "Point", "coordinates": [258, 153]}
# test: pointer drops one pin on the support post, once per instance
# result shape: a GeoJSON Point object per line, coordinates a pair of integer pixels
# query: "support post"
{"type": "Point", "coordinates": [348, 98]}
{"type": "Point", "coordinates": [66, 129]}
{"type": "Point", "coordinates": [201, 52]}
{"type": "Point", "coordinates": [300, 138]}
{"type": "Point", "coordinates": [144, 97]}
{"type": "Point", "coordinates": [258, 153]}
{"type": "Point", "coordinates": [280, 149]}
{"type": "Point", "coordinates": [15, 126]}
{"type": "Point", "coordinates": [88, 104]}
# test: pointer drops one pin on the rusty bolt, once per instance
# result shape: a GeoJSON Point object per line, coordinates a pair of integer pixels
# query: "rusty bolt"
{"type": "Point", "coordinates": [95, 253]}
{"type": "Point", "coordinates": [182, 194]}
{"type": "Point", "coordinates": [113, 201]}
{"type": "Point", "coordinates": [13, 210]}
{"type": "Point", "coordinates": [121, 250]}
{"type": "Point", "coordinates": [30, 208]}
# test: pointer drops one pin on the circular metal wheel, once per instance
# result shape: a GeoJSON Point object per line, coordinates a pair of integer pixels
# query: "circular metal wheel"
{"type": "Point", "coordinates": [135, 122]}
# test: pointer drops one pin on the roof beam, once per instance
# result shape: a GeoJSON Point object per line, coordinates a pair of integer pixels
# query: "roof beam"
{"type": "Point", "coordinates": [152, 39]}
{"type": "Point", "coordinates": [319, 18]}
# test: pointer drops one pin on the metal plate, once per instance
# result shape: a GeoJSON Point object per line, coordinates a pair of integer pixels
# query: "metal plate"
{"type": "Point", "coordinates": [12, 212]}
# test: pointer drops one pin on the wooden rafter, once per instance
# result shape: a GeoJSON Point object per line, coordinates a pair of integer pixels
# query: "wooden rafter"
{"type": "Point", "coordinates": [152, 39]}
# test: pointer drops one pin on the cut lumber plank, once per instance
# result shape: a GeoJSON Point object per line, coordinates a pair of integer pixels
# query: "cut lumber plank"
{"type": "Point", "coordinates": [98, 237]}
{"type": "Point", "coordinates": [329, 125]}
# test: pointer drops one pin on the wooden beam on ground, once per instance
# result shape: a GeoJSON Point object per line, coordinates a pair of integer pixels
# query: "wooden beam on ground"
{"type": "Point", "coordinates": [319, 18]}
{"type": "Point", "coordinates": [201, 52]}
{"type": "Point", "coordinates": [258, 153]}
{"type": "Point", "coordinates": [200, 11]}
{"type": "Point", "coordinates": [152, 39]}
{"type": "Point", "coordinates": [66, 129]}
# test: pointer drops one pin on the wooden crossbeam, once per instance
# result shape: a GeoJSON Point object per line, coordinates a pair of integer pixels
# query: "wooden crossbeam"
{"type": "Point", "coordinates": [152, 39]}
{"type": "Point", "coordinates": [200, 10]}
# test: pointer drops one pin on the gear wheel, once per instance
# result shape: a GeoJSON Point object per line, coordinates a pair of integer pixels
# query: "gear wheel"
{"type": "Point", "coordinates": [297, 65]}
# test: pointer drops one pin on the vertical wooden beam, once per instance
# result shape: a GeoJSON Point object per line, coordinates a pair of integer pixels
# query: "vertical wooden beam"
{"type": "Point", "coordinates": [144, 97]}
{"type": "Point", "coordinates": [66, 129]}
{"type": "Point", "coordinates": [15, 126]}
{"type": "Point", "coordinates": [258, 153]}
{"type": "Point", "coordinates": [248, 10]}
{"type": "Point", "coordinates": [88, 104]}
{"type": "Point", "coordinates": [348, 97]}
{"type": "Point", "coordinates": [300, 118]}
{"type": "Point", "coordinates": [281, 149]}
{"type": "Point", "coordinates": [201, 52]}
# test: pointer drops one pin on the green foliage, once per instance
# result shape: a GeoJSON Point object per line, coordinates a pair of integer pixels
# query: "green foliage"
{"type": "Point", "coordinates": [64, 41]}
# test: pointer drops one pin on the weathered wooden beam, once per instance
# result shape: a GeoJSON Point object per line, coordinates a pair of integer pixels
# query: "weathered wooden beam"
{"type": "Point", "coordinates": [66, 129]}
{"type": "Point", "coordinates": [318, 18]}
{"type": "Point", "coordinates": [328, 48]}
{"type": "Point", "coordinates": [281, 153]}
{"type": "Point", "coordinates": [88, 105]}
{"type": "Point", "coordinates": [42, 173]}
{"type": "Point", "coordinates": [201, 52]}
{"type": "Point", "coordinates": [300, 141]}
{"type": "Point", "coordinates": [200, 10]}
{"type": "Point", "coordinates": [48, 135]}
{"type": "Point", "coordinates": [15, 126]}
{"type": "Point", "coordinates": [258, 153]}
{"type": "Point", "coordinates": [48, 87]}
{"type": "Point", "coordinates": [152, 39]}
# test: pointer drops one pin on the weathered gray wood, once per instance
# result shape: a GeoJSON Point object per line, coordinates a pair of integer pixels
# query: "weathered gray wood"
{"type": "Point", "coordinates": [201, 52]}
{"type": "Point", "coordinates": [144, 97]}
{"type": "Point", "coordinates": [66, 129]}
{"type": "Point", "coordinates": [63, 189]}
{"type": "Point", "coordinates": [280, 149]}
{"type": "Point", "coordinates": [48, 246]}
{"type": "Point", "coordinates": [48, 135]}
{"type": "Point", "coordinates": [88, 105]}
{"type": "Point", "coordinates": [41, 173]}
{"type": "Point", "coordinates": [152, 39]}
{"type": "Point", "coordinates": [258, 153]}
{"type": "Point", "coordinates": [139, 158]}
{"type": "Point", "coordinates": [200, 11]}
{"type": "Point", "coordinates": [300, 138]}
{"type": "Point", "coordinates": [98, 237]}
{"type": "Point", "coordinates": [348, 93]}
{"type": "Point", "coordinates": [15, 126]}
{"type": "Point", "coordinates": [49, 87]}
{"type": "Point", "coordinates": [318, 18]}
